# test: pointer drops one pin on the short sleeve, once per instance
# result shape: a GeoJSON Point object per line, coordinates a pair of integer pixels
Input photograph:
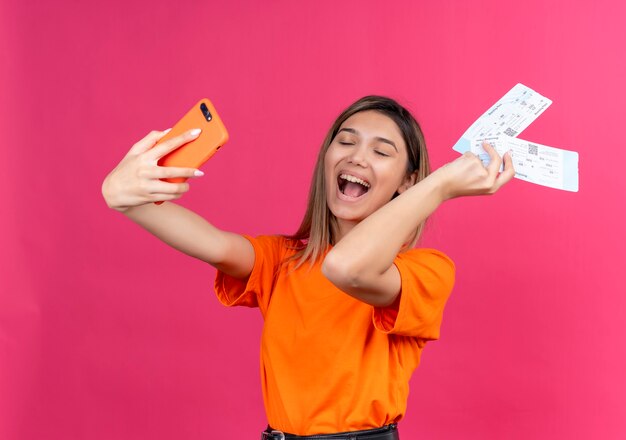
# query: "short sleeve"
{"type": "Point", "coordinates": [255, 291]}
{"type": "Point", "coordinates": [427, 278]}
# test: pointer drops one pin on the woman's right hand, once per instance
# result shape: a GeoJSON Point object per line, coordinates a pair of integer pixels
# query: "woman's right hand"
{"type": "Point", "coordinates": [135, 180]}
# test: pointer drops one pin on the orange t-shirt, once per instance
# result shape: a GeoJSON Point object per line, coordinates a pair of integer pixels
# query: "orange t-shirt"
{"type": "Point", "coordinates": [329, 362]}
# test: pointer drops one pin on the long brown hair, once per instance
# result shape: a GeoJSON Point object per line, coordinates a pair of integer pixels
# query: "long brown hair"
{"type": "Point", "coordinates": [315, 232]}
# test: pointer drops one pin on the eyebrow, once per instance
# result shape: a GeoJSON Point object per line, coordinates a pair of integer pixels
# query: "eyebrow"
{"type": "Point", "coordinates": [378, 138]}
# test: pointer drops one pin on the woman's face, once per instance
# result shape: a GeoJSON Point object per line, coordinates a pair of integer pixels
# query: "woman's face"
{"type": "Point", "coordinates": [364, 166]}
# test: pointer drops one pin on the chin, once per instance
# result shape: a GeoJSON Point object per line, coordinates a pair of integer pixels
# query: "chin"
{"type": "Point", "coordinates": [349, 212]}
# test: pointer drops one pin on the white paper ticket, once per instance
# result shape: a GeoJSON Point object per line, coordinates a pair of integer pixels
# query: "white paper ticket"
{"type": "Point", "coordinates": [534, 162]}
{"type": "Point", "coordinates": [508, 117]}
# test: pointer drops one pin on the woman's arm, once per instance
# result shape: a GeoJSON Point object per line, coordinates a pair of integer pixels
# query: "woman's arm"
{"type": "Point", "coordinates": [135, 184]}
{"type": "Point", "coordinates": [191, 234]}
{"type": "Point", "coordinates": [361, 263]}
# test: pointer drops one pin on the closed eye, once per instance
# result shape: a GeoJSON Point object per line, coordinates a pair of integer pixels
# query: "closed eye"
{"type": "Point", "coordinates": [346, 143]}
{"type": "Point", "coordinates": [380, 153]}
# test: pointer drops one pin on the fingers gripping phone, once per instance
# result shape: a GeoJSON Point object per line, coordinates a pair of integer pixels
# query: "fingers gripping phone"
{"type": "Point", "coordinates": [195, 153]}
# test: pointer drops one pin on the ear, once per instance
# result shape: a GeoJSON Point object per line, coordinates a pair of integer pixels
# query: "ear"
{"type": "Point", "coordinates": [408, 182]}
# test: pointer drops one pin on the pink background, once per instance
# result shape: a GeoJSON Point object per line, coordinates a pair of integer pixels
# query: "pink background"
{"type": "Point", "coordinates": [106, 333]}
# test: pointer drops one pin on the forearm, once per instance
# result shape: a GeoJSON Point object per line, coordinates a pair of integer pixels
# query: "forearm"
{"type": "Point", "coordinates": [182, 229]}
{"type": "Point", "coordinates": [369, 249]}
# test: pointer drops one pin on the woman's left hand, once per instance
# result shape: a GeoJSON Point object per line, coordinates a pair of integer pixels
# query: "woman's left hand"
{"type": "Point", "coordinates": [467, 176]}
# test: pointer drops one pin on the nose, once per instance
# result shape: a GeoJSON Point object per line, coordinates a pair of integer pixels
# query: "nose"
{"type": "Point", "coordinates": [358, 156]}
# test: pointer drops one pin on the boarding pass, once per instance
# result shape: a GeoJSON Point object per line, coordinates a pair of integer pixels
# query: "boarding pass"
{"type": "Point", "coordinates": [534, 162]}
{"type": "Point", "coordinates": [508, 117]}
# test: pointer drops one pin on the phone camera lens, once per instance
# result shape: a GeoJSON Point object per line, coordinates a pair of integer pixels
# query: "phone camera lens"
{"type": "Point", "coordinates": [206, 112]}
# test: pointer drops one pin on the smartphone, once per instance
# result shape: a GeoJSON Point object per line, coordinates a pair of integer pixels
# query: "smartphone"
{"type": "Point", "coordinates": [195, 153]}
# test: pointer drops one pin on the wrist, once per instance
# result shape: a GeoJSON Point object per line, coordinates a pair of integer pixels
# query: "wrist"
{"type": "Point", "coordinates": [109, 199]}
{"type": "Point", "coordinates": [440, 182]}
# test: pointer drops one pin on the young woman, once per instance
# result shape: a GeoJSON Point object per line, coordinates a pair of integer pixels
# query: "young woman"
{"type": "Point", "coordinates": [347, 301]}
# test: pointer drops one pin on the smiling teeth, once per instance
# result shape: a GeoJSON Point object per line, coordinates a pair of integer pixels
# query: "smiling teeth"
{"type": "Point", "coordinates": [350, 178]}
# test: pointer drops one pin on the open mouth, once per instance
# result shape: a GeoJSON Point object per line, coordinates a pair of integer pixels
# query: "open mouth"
{"type": "Point", "coordinates": [352, 186]}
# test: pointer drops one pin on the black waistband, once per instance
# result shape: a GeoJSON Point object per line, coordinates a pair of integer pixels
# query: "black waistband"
{"type": "Point", "coordinates": [389, 432]}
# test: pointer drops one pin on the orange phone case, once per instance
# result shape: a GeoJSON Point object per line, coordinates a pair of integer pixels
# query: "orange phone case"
{"type": "Point", "coordinates": [198, 151]}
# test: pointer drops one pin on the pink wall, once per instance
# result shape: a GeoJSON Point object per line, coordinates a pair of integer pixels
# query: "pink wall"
{"type": "Point", "coordinates": [105, 333]}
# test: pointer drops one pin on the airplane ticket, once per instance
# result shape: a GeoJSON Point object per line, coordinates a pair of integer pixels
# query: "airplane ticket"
{"type": "Point", "coordinates": [535, 163]}
{"type": "Point", "coordinates": [508, 117]}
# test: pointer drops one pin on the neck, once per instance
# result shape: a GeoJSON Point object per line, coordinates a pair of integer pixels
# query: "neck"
{"type": "Point", "coordinates": [340, 228]}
